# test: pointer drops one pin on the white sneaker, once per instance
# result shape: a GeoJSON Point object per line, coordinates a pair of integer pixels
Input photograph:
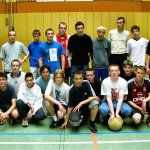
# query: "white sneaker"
{"type": "Point", "coordinates": [25, 122]}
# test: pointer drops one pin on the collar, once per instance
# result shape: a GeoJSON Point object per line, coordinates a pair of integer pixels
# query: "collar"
{"type": "Point", "coordinates": [19, 74]}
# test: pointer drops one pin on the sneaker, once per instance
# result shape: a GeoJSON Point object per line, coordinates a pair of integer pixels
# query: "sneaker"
{"type": "Point", "coordinates": [93, 128]}
{"type": "Point", "coordinates": [54, 124]}
{"type": "Point", "coordinates": [148, 119]}
{"type": "Point", "coordinates": [25, 122]}
{"type": "Point", "coordinates": [1, 123]}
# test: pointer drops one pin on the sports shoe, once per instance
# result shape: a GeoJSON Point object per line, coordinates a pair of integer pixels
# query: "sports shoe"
{"type": "Point", "coordinates": [93, 127]}
{"type": "Point", "coordinates": [1, 123]}
{"type": "Point", "coordinates": [54, 124]}
{"type": "Point", "coordinates": [25, 122]}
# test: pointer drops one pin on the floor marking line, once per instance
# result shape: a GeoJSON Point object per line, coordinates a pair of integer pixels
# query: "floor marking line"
{"type": "Point", "coordinates": [94, 141]}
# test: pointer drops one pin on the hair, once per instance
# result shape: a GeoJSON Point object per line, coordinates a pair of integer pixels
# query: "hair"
{"type": "Point", "coordinates": [77, 72]}
{"type": "Point", "coordinates": [115, 65]}
{"type": "Point", "coordinates": [119, 18]}
{"type": "Point", "coordinates": [49, 29]}
{"type": "Point", "coordinates": [140, 67]}
{"type": "Point", "coordinates": [91, 69]}
{"type": "Point", "coordinates": [63, 23]}
{"type": "Point", "coordinates": [79, 23]}
{"type": "Point", "coordinates": [28, 74]}
{"type": "Point", "coordinates": [101, 28]}
{"type": "Point", "coordinates": [135, 27]}
{"type": "Point", "coordinates": [127, 63]}
{"type": "Point", "coordinates": [3, 75]}
{"type": "Point", "coordinates": [59, 71]}
{"type": "Point", "coordinates": [15, 60]}
{"type": "Point", "coordinates": [11, 31]}
{"type": "Point", "coordinates": [36, 31]}
{"type": "Point", "coordinates": [44, 67]}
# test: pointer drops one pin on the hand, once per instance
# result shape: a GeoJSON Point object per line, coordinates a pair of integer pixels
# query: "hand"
{"type": "Point", "coordinates": [142, 111]}
{"type": "Point", "coordinates": [118, 116]}
{"type": "Point", "coordinates": [64, 125]}
{"type": "Point", "coordinates": [2, 116]}
{"type": "Point", "coordinates": [111, 118]}
{"type": "Point", "coordinates": [98, 99]}
{"type": "Point", "coordinates": [77, 108]}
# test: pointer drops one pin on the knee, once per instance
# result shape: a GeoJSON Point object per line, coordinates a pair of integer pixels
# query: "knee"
{"type": "Point", "coordinates": [137, 118]}
{"type": "Point", "coordinates": [15, 113]}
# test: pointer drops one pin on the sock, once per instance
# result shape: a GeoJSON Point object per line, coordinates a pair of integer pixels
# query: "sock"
{"type": "Point", "coordinates": [55, 117]}
{"type": "Point", "coordinates": [91, 122]}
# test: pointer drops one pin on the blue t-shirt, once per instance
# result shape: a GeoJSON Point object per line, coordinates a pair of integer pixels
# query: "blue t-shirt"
{"type": "Point", "coordinates": [34, 49]}
{"type": "Point", "coordinates": [50, 53]}
{"type": "Point", "coordinates": [7, 95]}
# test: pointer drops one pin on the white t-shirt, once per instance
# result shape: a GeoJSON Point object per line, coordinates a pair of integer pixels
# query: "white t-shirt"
{"type": "Point", "coordinates": [137, 51]}
{"type": "Point", "coordinates": [60, 93]}
{"type": "Point", "coordinates": [114, 89]}
{"type": "Point", "coordinates": [118, 41]}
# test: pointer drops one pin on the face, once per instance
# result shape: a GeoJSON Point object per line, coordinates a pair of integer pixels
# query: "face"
{"type": "Point", "coordinates": [12, 36]}
{"type": "Point", "coordinates": [45, 74]}
{"type": "Point", "coordinates": [62, 29]}
{"type": "Point", "coordinates": [3, 82]}
{"type": "Point", "coordinates": [127, 70]}
{"type": "Point", "coordinates": [15, 66]}
{"type": "Point", "coordinates": [36, 38]}
{"type": "Point", "coordinates": [90, 76]}
{"type": "Point", "coordinates": [29, 82]}
{"type": "Point", "coordinates": [139, 74]}
{"type": "Point", "coordinates": [80, 30]}
{"type": "Point", "coordinates": [58, 79]}
{"type": "Point", "coordinates": [101, 33]}
{"type": "Point", "coordinates": [78, 79]}
{"type": "Point", "coordinates": [135, 33]}
{"type": "Point", "coordinates": [120, 24]}
{"type": "Point", "coordinates": [114, 72]}
{"type": "Point", "coordinates": [50, 35]}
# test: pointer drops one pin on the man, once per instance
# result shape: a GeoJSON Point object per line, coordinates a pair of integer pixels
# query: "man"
{"type": "Point", "coordinates": [34, 49]}
{"type": "Point", "coordinates": [52, 53]}
{"type": "Point", "coordinates": [80, 48]}
{"type": "Point", "coordinates": [56, 98]}
{"type": "Point", "coordinates": [118, 38]}
{"type": "Point", "coordinates": [138, 92]}
{"type": "Point", "coordinates": [82, 102]}
{"type": "Point", "coordinates": [7, 99]}
{"type": "Point", "coordinates": [101, 54]}
{"type": "Point", "coordinates": [29, 103]}
{"type": "Point", "coordinates": [114, 88]}
{"type": "Point", "coordinates": [16, 77]}
{"type": "Point", "coordinates": [136, 47]}
{"type": "Point", "coordinates": [62, 37]}
{"type": "Point", "coordinates": [12, 50]}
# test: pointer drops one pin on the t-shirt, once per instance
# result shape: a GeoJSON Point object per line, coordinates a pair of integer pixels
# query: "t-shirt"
{"type": "Point", "coordinates": [7, 96]}
{"type": "Point", "coordinates": [9, 52]}
{"type": "Point", "coordinates": [51, 53]}
{"type": "Point", "coordinates": [34, 49]}
{"type": "Point", "coordinates": [118, 41]}
{"type": "Point", "coordinates": [60, 93]}
{"type": "Point", "coordinates": [127, 78]}
{"type": "Point", "coordinates": [138, 93]}
{"type": "Point", "coordinates": [114, 89]}
{"type": "Point", "coordinates": [77, 95]}
{"type": "Point", "coordinates": [80, 46]}
{"type": "Point", "coordinates": [137, 51]}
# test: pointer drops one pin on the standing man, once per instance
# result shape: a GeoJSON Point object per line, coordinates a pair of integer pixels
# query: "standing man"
{"type": "Point", "coordinates": [34, 49]}
{"type": "Point", "coordinates": [118, 38]}
{"type": "Point", "coordinates": [16, 77]}
{"type": "Point", "coordinates": [101, 54]}
{"type": "Point", "coordinates": [62, 37]}
{"type": "Point", "coordinates": [12, 50]}
{"type": "Point", "coordinates": [80, 48]}
{"type": "Point", "coordinates": [114, 88]}
{"type": "Point", "coordinates": [52, 53]}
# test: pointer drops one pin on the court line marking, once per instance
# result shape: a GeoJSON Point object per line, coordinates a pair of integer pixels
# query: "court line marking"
{"type": "Point", "coordinates": [71, 143]}
{"type": "Point", "coordinates": [94, 141]}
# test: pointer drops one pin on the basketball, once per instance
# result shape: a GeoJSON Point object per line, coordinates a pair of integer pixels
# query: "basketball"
{"type": "Point", "coordinates": [115, 124]}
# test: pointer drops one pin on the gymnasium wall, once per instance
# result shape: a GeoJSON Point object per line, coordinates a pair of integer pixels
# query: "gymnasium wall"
{"type": "Point", "coordinates": [32, 15]}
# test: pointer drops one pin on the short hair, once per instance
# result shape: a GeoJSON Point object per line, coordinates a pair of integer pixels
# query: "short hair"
{"type": "Point", "coordinates": [15, 60]}
{"type": "Point", "coordinates": [101, 28]}
{"type": "Point", "coordinates": [3, 75]}
{"type": "Point", "coordinates": [36, 31]}
{"type": "Point", "coordinates": [127, 62]}
{"type": "Point", "coordinates": [91, 69]}
{"type": "Point", "coordinates": [78, 24]}
{"type": "Point", "coordinates": [135, 27]}
{"type": "Point", "coordinates": [113, 65]}
{"type": "Point", "coordinates": [119, 18]}
{"type": "Point", "coordinates": [28, 74]}
{"type": "Point", "coordinates": [11, 31]}
{"type": "Point", "coordinates": [59, 71]}
{"type": "Point", "coordinates": [140, 67]}
{"type": "Point", "coordinates": [77, 72]}
{"type": "Point", "coordinates": [44, 67]}
{"type": "Point", "coordinates": [63, 23]}
{"type": "Point", "coordinates": [49, 29]}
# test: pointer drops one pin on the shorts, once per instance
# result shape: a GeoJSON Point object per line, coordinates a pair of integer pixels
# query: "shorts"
{"type": "Point", "coordinates": [67, 72]}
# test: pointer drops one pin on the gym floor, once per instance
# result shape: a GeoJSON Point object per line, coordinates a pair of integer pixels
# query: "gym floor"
{"type": "Point", "coordinates": [40, 137]}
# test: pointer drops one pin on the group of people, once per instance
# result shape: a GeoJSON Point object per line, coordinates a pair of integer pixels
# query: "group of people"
{"type": "Point", "coordinates": [60, 82]}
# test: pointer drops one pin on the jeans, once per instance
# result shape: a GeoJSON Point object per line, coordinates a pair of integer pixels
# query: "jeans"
{"type": "Point", "coordinates": [101, 73]}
